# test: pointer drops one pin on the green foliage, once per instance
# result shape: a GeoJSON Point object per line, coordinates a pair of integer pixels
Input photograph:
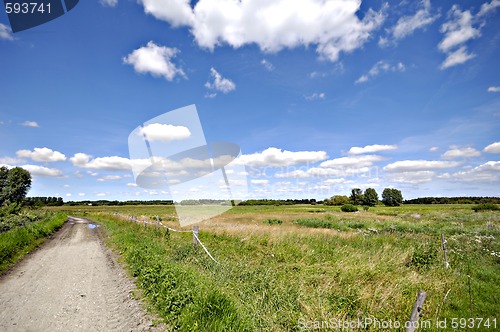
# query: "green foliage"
{"type": "Point", "coordinates": [15, 243]}
{"type": "Point", "coordinates": [423, 256]}
{"type": "Point", "coordinates": [14, 185]}
{"type": "Point", "coordinates": [392, 197]}
{"type": "Point", "coordinates": [273, 221]}
{"type": "Point", "coordinates": [337, 200]}
{"type": "Point", "coordinates": [356, 196]}
{"type": "Point", "coordinates": [370, 197]}
{"type": "Point", "coordinates": [486, 207]}
{"type": "Point", "coordinates": [314, 223]}
{"type": "Point", "coordinates": [349, 208]}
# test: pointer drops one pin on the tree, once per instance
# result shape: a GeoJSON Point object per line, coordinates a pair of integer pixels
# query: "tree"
{"type": "Point", "coordinates": [356, 196]}
{"type": "Point", "coordinates": [392, 197]}
{"type": "Point", "coordinates": [370, 197]}
{"type": "Point", "coordinates": [14, 185]}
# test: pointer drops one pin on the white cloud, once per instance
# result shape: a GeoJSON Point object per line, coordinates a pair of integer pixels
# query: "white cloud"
{"type": "Point", "coordinates": [332, 26]}
{"type": "Point", "coordinates": [219, 83]}
{"type": "Point", "coordinates": [132, 184]}
{"type": "Point", "coordinates": [352, 161]}
{"type": "Point", "coordinates": [456, 152]}
{"type": "Point", "coordinates": [176, 12]}
{"type": "Point", "coordinates": [378, 68]}
{"type": "Point", "coordinates": [36, 170]}
{"type": "Point", "coordinates": [8, 160]}
{"type": "Point", "coordinates": [461, 27]}
{"type": "Point", "coordinates": [457, 57]}
{"type": "Point", "coordinates": [109, 3]}
{"type": "Point", "coordinates": [109, 178]}
{"type": "Point", "coordinates": [81, 194]}
{"type": "Point", "coordinates": [434, 149]}
{"type": "Point", "coordinates": [316, 96]}
{"type": "Point", "coordinates": [372, 149]}
{"type": "Point", "coordinates": [274, 157]}
{"type": "Point", "coordinates": [419, 165]}
{"type": "Point", "coordinates": [41, 154]}
{"type": "Point", "coordinates": [413, 177]}
{"type": "Point", "coordinates": [156, 60]}
{"type": "Point", "coordinates": [269, 66]}
{"type": "Point", "coordinates": [493, 148]}
{"type": "Point", "coordinates": [408, 24]}
{"type": "Point", "coordinates": [488, 7]}
{"type": "Point", "coordinates": [113, 163]}
{"type": "Point", "coordinates": [321, 172]}
{"type": "Point", "coordinates": [5, 32]}
{"type": "Point", "coordinates": [487, 172]}
{"type": "Point", "coordinates": [259, 182]}
{"type": "Point", "coordinates": [494, 89]}
{"type": "Point", "coordinates": [164, 132]}
{"type": "Point", "coordinates": [33, 124]}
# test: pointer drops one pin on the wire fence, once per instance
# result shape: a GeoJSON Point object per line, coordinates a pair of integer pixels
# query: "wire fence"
{"type": "Point", "coordinates": [159, 224]}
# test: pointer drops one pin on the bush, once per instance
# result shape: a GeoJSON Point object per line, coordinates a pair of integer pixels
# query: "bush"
{"type": "Point", "coordinates": [349, 208]}
{"type": "Point", "coordinates": [273, 221]}
{"type": "Point", "coordinates": [485, 207]}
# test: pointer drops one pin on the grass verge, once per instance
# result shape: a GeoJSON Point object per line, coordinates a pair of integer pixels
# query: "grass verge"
{"type": "Point", "coordinates": [17, 242]}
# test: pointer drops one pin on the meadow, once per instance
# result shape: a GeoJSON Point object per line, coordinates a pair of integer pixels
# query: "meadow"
{"type": "Point", "coordinates": [303, 267]}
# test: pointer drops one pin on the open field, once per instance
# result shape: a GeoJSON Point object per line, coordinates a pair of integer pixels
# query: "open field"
{"type": "Point", "coordinates": [287, 268]}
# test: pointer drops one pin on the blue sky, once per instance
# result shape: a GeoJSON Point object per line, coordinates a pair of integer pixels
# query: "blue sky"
{"type": "Point", "coordinates": [321, 96]}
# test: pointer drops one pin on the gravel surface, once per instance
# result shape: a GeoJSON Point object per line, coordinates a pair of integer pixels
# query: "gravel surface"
{"type": "Point", "coordinates": [71, 283]}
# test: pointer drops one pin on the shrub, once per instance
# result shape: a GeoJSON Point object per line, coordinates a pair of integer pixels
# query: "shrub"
{"type": "Point", "coordinates": [273, 221]}
{"type": "Point", "coordinates": [485, 207]}
{"type": "Point", "coordinates": [349, 208]}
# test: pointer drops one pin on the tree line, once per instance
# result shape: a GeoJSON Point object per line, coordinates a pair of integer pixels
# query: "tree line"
{"type": "Point", "coordinates": [390, 197]}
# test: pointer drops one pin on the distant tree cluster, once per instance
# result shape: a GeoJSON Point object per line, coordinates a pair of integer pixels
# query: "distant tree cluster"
{"type": "Point", "coordinates": [14, 185]}
{"type": "Point", "coordinates": [453, 200]}
{"type": "Point", "coordinates": [278, 201]}
{"type": "Point", "coordinates": [118, 203]}
{"type": "Point", "coordinates": [44, 201]}
{"type": "Point", "coordinates": [390, 197]}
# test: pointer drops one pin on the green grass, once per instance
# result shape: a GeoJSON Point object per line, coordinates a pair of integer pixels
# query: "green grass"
{"type": "Point", "coordinates": [17, 242]}
{"type": "Point", "coordinates": [332, 266]}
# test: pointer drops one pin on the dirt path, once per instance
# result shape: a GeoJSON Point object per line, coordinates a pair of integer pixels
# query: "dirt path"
{"type": "Point", "coordinates": [72, 283]}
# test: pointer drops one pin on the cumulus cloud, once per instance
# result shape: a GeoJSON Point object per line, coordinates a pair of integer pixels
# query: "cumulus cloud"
{"type": "Point", "coordinates": [419, 165]}
{"type": "Point", "coordinates": [332, 26]}
{"type": "Point", "coordinates": [378, 68]}
{"type": "Point", "coordinates": [413, 177]}
{"type": "Point", "coordinates": [274, 157]}
{"type": "Point", "coordinates": [36, 170]}
{"type": "Point", "coordinates": [322, 172]}
{"type": "Point", "coordinates": [493, 148]}
{"type": "Point", "coordinates": [487, 172]}
{"type": "Point", "coordinates": [41, 154]}
{"type": "Point", "coordinates": [494, 89]}
{"type": "Point", "coordinates": [461, 27]}
{"type": "Point", "coordinates": [457, 152]}
{"type": "Point", "coordinates": [219, 83]}
{"type": "Point", "coordinates": [113, 163]}
{"type": "Point", "coordinates": [5, 32]}
{"type": "Point", "coordinates": [164, 132]}
{"type": "Point", "coordinates": [33, 124]}
{"type": "Point", "coordinates": [371, 149]}
{"type": "Point", "coordinates": [352, 161]}
{"type": "Point", "coordinates": [259, 182]}
{"type": "Point", "coordinates": [408, 24]}
{"type": "Point", "coordinates": [155, 60]}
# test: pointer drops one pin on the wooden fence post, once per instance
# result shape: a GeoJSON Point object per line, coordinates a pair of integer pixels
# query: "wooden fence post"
{"type": "Point", "coordinates": [443, 241]}
{"type": "Point", "coordinates": [412, 324]}
{"type": "Point", "coordinates": [195, 236]}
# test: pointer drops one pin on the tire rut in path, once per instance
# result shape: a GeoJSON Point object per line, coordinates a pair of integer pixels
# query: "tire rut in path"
{"type": "Point", "coordinates": [72, 283]}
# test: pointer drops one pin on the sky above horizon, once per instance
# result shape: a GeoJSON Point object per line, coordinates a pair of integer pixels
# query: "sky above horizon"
{"type": "Point", "coordinates": [321, 96]}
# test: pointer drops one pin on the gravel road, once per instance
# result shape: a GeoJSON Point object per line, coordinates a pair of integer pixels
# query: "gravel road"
{"type": "Point", "coordinates": [71, 283]}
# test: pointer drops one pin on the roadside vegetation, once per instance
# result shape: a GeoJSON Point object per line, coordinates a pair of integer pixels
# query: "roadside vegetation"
{"type": "Point", "coordinates": [22, 229]}
{"type": "Point", "coordinates": [279, 266]}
